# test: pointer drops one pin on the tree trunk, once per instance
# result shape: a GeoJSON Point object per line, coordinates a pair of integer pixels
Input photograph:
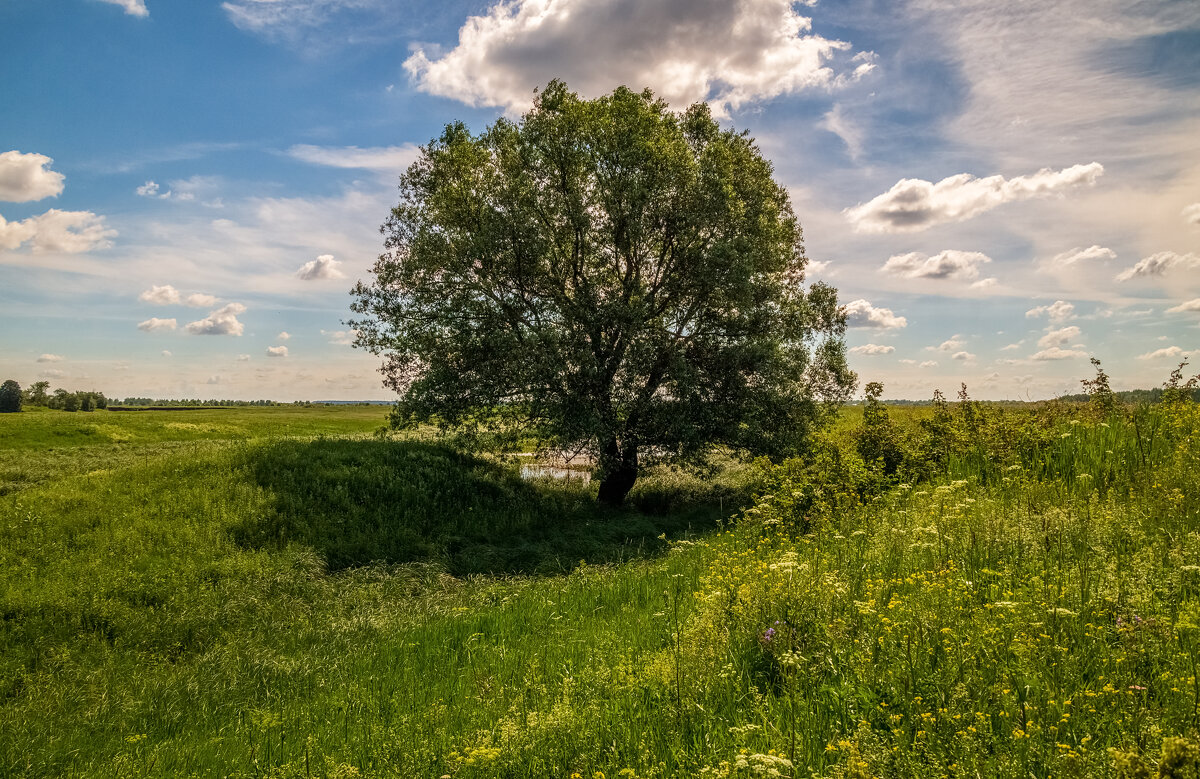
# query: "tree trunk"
{"type": "Point", "coordinates": [619, 470]}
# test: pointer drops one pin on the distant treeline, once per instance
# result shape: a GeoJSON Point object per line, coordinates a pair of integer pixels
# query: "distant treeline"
{"type": "Point", "coordinates": [197, 403]}
{"type": "Point", "coordinates": [1137, 396]}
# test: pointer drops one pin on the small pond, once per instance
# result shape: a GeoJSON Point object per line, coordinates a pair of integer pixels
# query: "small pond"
{"type": "Point", "coordinates": [553, 472]}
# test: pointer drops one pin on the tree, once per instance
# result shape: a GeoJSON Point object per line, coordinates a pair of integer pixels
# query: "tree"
{"type": "Point", "coordinates": [605, 274]}
{"type": "Point", "coordinates": [10, 396]}
{"type": "Point", "coordinates": [37, 393]}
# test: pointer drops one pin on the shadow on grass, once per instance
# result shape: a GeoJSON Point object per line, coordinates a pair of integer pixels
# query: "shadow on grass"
{"type": "Point", "coordinates": [358, 502]}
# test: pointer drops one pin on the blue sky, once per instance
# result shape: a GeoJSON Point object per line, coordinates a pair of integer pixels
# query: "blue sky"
{"type": "Point", "coordinates": [188, 190]}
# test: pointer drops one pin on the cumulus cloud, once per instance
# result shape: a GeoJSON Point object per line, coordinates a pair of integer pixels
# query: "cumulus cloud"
{"type": "Point", "coordinates": [378, 158]}
{"type": "Point", "coordinates": [166, 295]}
{"type": "Point", "coordinates": [915, 204]}
{"type": "Point", "coordinates": [243, 358]}
{"type": "Point", "coordinates": [1077, 255]}
{"type": "Point", "coordinates": [1159, 264]}
{"type": "Point", "coordinates": [1159, 354]}
{"type": "Point", "coordinates": [729, 53]}
{"type": "Point", "coordinates": [277, 351]}
{"type": "Point", "coordinates": [953, 344]}
{"type": "Point", "coordinates": [1058, 311]}
{"type": "Point", "coordinates": [283, 336]}
{"type": "Point", "coordinates": [200, 300]}
{"type": "Point", "coordinates": [860, 313]}
{"type": "Point", "coordinates": [166, 352]}
{"type": "Point", "coordinates": [1190, 305]}
{"type": "Point", "coordinates": [1191, 214]}
{"type": "Point", "coordinates": [341, 337]}
{"type": "Point", "coordinates": [183, 190]}
{"type": "Point", "coordinates": [25, 177]}
{"type": "Point", "coordinates": [57, 231]}
{"type": "Point", "coordinates": [151, 189]}
{"type": "Point", "coordinates": [928, 364]}
{"type": "Point", "coordinates": [949, 264]}
{"type": "Point", "coordinates": [132, 7]}
{"type": "Point", "coordinates": [962, 356]}
{"type": "Point", "coordinates": [163, 295]}
{"type": "Point", "coordinates": [1058, 353]}
{"type": "Point", "coordinates": [324, 267]}
{"type": "Point", "coordinates": [223, 321]}
{"type": "Point", "coordinates": [1059, 337]}
{"type": "Point", "coordinates": [154, 324]}
{"type": "Point", "coordinates": [872, 349]}
{"type": "Point", "coordinates": [50, 358]}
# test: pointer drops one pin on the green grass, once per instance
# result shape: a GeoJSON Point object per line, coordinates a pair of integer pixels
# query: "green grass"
{"type": "Point", "coordinates": [243, 604]}
{"type": "Point", "coordinates": [332, 603]}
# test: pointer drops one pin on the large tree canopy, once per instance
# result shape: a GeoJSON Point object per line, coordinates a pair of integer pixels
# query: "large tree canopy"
{"type": "Point", "coordinates": [615, 275]}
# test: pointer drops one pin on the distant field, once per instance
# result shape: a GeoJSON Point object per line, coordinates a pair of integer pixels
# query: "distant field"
{"type": "Point", "coordinates": [40, 445]}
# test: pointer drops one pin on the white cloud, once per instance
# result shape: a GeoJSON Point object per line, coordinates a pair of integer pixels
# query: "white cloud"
{"type": "Point", "coordinates": [1078, 255]}
{"type": "Point", "coordinates": [1190, 305]}
{"type": "Point", "coordinates": [341, 337]}
{"type": "Point", "coordinates": [837, 123]}
{"type": "Point", "coordinates": [324, 267]}
{"type": "Point", "coordinates": [151, 189]}
{"type": "Point", "coordinates": [243, 358]}
{"type": "Point", "coordinates": [1058, 311]}
{"type": "Point", "coordinates": [25, 177]}
{"type": "Point", "coordinates": [1191, 214]}
{"type": "Point", "coordinates": [990, 281]}
{"type": "Point", "coordinates": [53, 373]}
{"type": "Point", "coordinates": [183, 190]}
{"type": "Point", "coordinates": [872, 349]}
{"type": "Point", "coordinates": [160, 295]}
{"type": "Point", "coordinates": [283, 336]}
{"type": "Point", "coordinates": [50, 358]}
{"type": "Point", "coordinates": [1012, 347]}
{"type": "Point", "coordinates": [962, 356]}
{"type": "Point", "coordinates": [1059, 337]}
{"type": "Point", "coordinates": [166, 352]}
{"type": "Point", "coordinates": [154, 324]}
{"type": "Point", "coordinates": [1057, 353]}
{"type": "Point", "coordinates": [57, 231]}
{"type": "Point", "coordinates": [277, 351]}
{"type": "Point", "coordinates": [264, 16]}
{"type": "Point", "coordinates": [952, 344]}
{"type": "Point", "coordinates": [132, 7]}
{"type": "Point", "coordinates": [1158, 264]}
{"type": "Point", "coordinates": [200, 300]}
{"type": "Point", "coordinates": [729, 53]}
{"type": "Point", "coordinates": [1158, 354]}
{"type": "Point", "coordinates": [949, 264]}
{"type": "Point", "coordinates": [928, 364]}
{"type": "Point", "coordinates": [223, 321]}
{"type": "Point", "coordinates": [915, 204]}
{"type": "Point", "coordinates": [860, 313]}
{"type": "Point", "coordinates": [379, 158]}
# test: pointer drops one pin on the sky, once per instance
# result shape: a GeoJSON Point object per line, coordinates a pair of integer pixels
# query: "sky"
{"type": "Point", "coordinates": [999, 191]}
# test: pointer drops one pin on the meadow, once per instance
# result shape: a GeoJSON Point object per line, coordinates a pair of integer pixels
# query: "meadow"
{"type": "Point", "coordinates": [957, 590]}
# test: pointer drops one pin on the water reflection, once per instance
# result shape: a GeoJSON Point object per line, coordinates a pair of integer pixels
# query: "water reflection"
{"type": "Point", "coordinates": [552, 472]}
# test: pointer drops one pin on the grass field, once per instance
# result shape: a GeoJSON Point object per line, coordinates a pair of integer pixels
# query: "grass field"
{"type": "Point", "coordinates": [278, 592]}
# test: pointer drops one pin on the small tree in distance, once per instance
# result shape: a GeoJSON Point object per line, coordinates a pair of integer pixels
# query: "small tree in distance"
{"type": "Point", "coordinates": [604, 274]}
{"type": "Point", "coordinates": [10, 396]}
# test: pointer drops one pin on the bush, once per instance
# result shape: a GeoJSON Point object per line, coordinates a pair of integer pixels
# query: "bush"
{"type": "Point", "coordinates": [10, 396]}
